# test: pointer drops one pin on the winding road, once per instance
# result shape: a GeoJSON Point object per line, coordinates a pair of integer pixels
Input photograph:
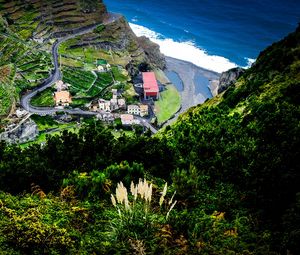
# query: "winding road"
{"type": "Point", "coordinates": [56, 75]}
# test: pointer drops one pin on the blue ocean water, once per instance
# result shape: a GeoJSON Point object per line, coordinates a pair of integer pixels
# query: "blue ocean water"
{"type": "Point", "coordinates": [234, 29]}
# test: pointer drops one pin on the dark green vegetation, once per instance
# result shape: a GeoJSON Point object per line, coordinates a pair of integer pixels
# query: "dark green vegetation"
{"type": "Point", "coordinates": [233, 162]}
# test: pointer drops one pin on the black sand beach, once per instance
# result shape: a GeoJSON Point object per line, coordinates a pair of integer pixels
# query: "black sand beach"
{"type": "Point", "coordinates": [195, 84]}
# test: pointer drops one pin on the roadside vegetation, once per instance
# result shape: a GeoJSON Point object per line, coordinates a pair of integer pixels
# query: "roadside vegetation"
{"type": "Point", "coordinates": [44, 98]}
{"type": "Point", "coordinates": [48, 126]}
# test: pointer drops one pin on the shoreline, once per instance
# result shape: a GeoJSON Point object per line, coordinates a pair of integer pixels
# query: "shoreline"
{"type": "Point", "coordinates": [188, 72]}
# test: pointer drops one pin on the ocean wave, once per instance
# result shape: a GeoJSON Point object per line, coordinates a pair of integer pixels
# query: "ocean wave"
{"type": "Point", "coordinates": [187, 50]}
{"type": "Point", "coordinates": [250, 61]}
{"type": "Point", "coordinates": [135, 19]}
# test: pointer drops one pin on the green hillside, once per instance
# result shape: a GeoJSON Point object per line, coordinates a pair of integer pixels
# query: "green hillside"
{"type": "Point", "coordinates": [25, 30]}
{"type": "Point", "coordinates": [29, 28]}
{"type": "Point", "coordinates": [23, 65]}
{"type": "Point", "coordinates": [233, 162]}
{"type": "Point", "coordinates": [45, 19]}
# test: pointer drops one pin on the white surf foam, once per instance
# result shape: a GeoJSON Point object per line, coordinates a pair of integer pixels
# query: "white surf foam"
{"type": "Point", "coordinates": [185, 51]}
{"type": "Point", "coordinates": [250, 61]}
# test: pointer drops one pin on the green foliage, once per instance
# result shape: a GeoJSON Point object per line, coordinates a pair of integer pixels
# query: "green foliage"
{"type": "Point", "coordinates": [29, 225]}
{"type": "Point", "coordinates": [234, 163]}
{"type": "Point", "coordinates": [215, 233]}
{"type": "Point", "coordinates": [118, 75]}
{"type": "Point", "coordinates": [23, 66]}
{"type": "Point", "coordinates": [97, 183]}
{"type": "Point", "coordinates": [7, 90]}
{"type": "Point", "coordinates": [44, 99]}
{"type": "Point", "coordinates": [43, 122]}
{"type": "Point", "coordinates": [80, 80]}
{"type": "Point", "coordinates": [197, 189]}
{"type": "Point", "coordinates": [99, 29]}
{"type": "Point", "coordinates": [85, 84]}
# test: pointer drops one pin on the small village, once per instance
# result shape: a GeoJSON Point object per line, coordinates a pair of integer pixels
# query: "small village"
{"type": "Point", "coordinates": [116, 107]}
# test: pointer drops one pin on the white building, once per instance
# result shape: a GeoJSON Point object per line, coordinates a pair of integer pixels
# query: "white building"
{"type": "Point", "coordinates": [133, 109]}
{"type": "Point", "coordinates": [100, 69]}
{"type": "Point", "coordinates": [104, 105]}
{"type": "Point", "coordinates": [114, 92]}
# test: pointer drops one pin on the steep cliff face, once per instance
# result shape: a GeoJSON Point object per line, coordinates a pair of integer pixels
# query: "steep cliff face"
{"type": "Point", "coordinates": [229, 77]}
{"type": "Point", "coordinates": [121, 45]}
{"type": "Point", "coordinates": [152, 51]}
{"type": "Point", "coordinates": [141, 50]}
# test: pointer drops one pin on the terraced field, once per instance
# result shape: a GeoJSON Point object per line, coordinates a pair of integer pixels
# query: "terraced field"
{"type": "Point", "coordinates": [43, 19]}
{"type": "Point", "coordinates": [27, 32]}
{"type": "Point", "coordinates": [23, 65]}
{"type": "Point", "coordinates": [86, 84]}
{"type": "Point", "coordinates": [25, 27]}
{"type": "Point", "coordinates": [7, 90]}
{"type": "Point", "coordinates": [113, 42]}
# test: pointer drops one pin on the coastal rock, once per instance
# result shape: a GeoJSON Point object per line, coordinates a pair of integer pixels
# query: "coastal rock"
{"type": "Point", "coordinates": [229, 77]}
{"type": "Point", "coordinates": [152, 51]}
{"type": "Point", "coordinates": [27, 131]}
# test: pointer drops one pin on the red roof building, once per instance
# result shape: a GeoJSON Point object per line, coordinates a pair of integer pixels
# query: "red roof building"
{"type": "Point", "coordinates": [150, 85]}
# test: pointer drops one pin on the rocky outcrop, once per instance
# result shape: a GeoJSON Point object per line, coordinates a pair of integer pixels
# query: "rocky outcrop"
{"type": "Point", "coordinates": [27, 131]}
{"type": "Point", "coordinates": [229, 77]}
{"type": "Point", "coordinates": [152, 51]}
{"type": "Point", "coordinates": [118, 37]}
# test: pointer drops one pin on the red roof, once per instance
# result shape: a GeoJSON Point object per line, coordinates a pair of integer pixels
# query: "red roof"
{"type": "Point", "coordinates": [150, 83]}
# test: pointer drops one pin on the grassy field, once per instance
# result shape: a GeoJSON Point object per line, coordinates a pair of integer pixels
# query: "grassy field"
{"type": "Point", "coordinates": [44, 99]}
{"type": "Point", "coordinates": [168, 104]}
{"type": "Point", "coordinates": [120, 75]}
{"type": "Point", "coordinates": [119, 133]}
{"type": "Point", "coordinates": [44, 122]}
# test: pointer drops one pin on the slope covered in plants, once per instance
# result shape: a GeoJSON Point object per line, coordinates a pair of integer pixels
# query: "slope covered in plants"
{"type": "Point", "coordinates": [233, 162]}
